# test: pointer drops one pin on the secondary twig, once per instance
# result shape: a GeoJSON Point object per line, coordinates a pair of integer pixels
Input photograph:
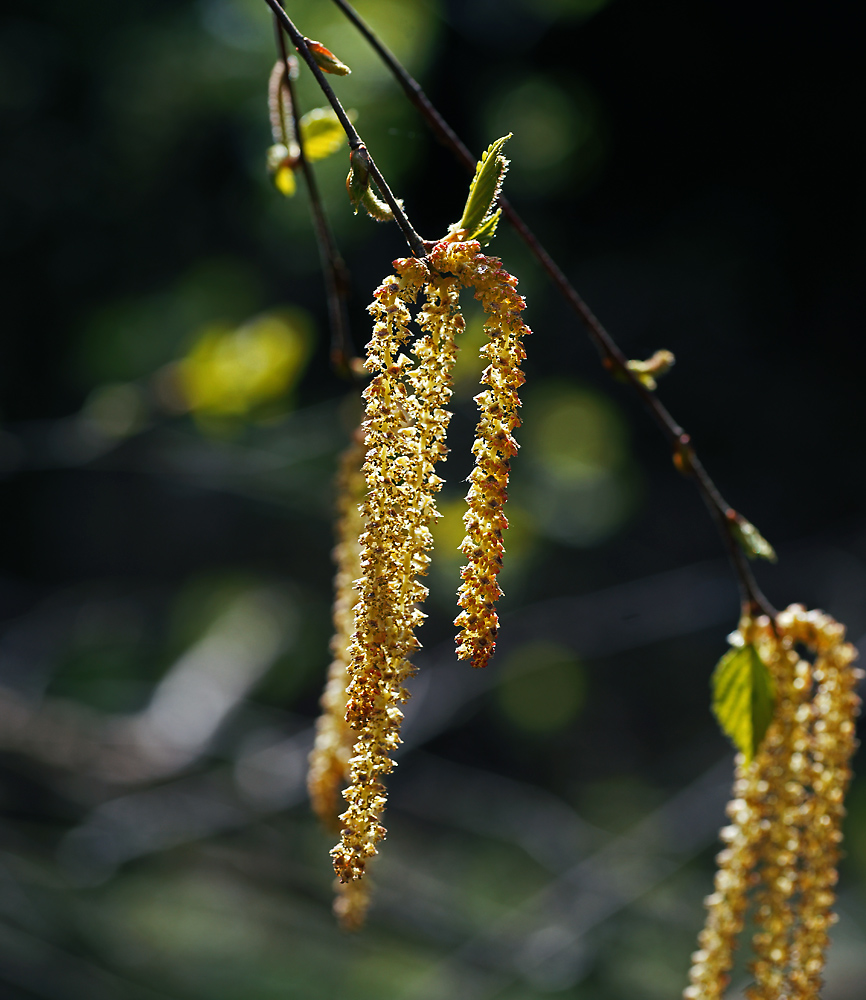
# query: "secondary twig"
{"type": "Point", "coordinates": [416, 244]}
{"type": "Point", "coordinates": [336, 273]}
{"type": "Point", "coordinates": [613, 359]}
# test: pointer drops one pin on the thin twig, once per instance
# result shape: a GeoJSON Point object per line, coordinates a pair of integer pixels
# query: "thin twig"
{"type": "Point", "coordinates": [613, 359]}
{"type": "Point", "coordinates": [416, 244]}
{"type": "Point", "coordinates": [337, 281]}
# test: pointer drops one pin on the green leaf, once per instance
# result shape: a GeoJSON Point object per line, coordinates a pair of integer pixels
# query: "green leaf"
{"type": "Point", "coordinates": [752, 541]}
{"type": "Point", "coordinates": [484, 189]}
{"type": "Point", "coordinates": [743, 698]}
{"type": "Point", "coordinates": [487, 230]}
{"type": "Point", "coordinates": [321, 133]}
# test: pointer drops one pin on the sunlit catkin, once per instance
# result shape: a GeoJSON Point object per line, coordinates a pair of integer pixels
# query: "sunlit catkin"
{"type": "Point", "coordinates": [404, 430]}
{"type": "Point", "coordinates": [783, 841]}
{"type": "Point", "coordinates": [494, 445]}
{"type": "Point", "coordinates": [329, 759]}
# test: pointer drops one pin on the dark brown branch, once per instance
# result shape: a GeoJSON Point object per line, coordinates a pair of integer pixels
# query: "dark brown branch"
{"type": "Point", "coordinates": [336, 273]}
{"type": "Point", "coordinates": [416, 244]}
{"type": "Point", "coordinates": [684, 455]}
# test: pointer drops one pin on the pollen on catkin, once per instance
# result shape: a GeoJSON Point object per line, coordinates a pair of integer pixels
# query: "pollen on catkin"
{"type": "Point", "coordinates": [786, 813]}
{"type": "Point", "coordinates": [329, 758]}
{"type": "Point", "coordinates": [404, 428]}
{"type": "Point", "coordinates": [494, 445]}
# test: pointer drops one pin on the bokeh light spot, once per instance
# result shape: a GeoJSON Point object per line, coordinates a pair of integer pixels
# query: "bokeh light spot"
{"type": "Point", "coordinates": [231, 372]}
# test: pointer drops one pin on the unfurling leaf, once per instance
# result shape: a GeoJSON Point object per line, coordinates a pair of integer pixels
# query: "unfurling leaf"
{"type": "Point", "coordinates": [484, 190]}
{"type": "Point", "coordinates": [752, 541]}
{"type": "Point", "coordinates": [651, 369]}
{"type": "Point", "coordinates": [361, 194]}
{"type": "Point", "coordinates": [321, 133]}
{"type": "Point", "coordinates": [743, 698]}
{"type": "Point", "coordinates": [326, 60]}
{"type": "Point", "coordinates": [487, 230]}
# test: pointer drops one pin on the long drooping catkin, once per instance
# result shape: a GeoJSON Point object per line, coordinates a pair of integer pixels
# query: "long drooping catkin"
{"type": "Point", "coordinates": [786, 816]}
{"type": "Point", "coordinates": [404, 435]}
{"type": "Point", "coordinates": [494, 445]}
{"type": "Point", "coordinates": [329, 759]}
{"type": "Point", "coordinates": [404, 428]}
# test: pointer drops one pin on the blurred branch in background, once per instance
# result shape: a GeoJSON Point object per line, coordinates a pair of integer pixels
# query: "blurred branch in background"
{"type": "Point", "coordinates": [544, 940]}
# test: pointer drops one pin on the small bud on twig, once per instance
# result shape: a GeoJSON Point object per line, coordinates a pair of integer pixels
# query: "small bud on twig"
{"type": "Point", "coordinates": [326, 60]}
{"type": "Point", "coordinates": [651, 369]}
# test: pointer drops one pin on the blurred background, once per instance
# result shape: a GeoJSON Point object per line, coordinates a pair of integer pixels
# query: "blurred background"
{"type": "Point", "coordinates": [169, 427]}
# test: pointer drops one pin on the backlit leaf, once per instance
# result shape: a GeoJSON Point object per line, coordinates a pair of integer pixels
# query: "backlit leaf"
{"type": "Point", "coordinates": [484, 189]}
{"type": "Point", "coordinates": [743, 698]}
{"type": "Point", "coordinates": [487, 230]}
{"type": "Point", "coordinates": [284, 181]}
{"type": "Point", "coordinates": [321, 133]}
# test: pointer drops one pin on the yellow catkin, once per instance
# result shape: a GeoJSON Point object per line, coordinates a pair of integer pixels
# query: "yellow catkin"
{"type": "Point", "coordinates": [352, 903]}
{"type": "Point", "coordinates": [786, 814]}
{"type": "Point", "coordinates": [834, 708]}
{"type": "Point", "coordinates": [329, 759]}
{"type": "Point", "coordinates": [494, 444]}
{"type": "Point", "coordinates": [404, 430]}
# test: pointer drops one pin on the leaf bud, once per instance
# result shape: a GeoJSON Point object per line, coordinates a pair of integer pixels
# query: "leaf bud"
{"type": "Point", "coordinates": [358, 180]}
{"type": "Point", "coordinates": [750, 539]}
{"type": "Point", "coordinates": [325, 59]}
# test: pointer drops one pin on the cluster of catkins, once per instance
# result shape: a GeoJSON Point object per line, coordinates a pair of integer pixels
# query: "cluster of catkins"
{"type": "Point", "coordinates": [384, 538]}
{"type": "Point", "coordinates": [782, 846]}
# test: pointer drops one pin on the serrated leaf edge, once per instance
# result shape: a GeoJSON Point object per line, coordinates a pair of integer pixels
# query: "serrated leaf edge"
{"type": "Point", "coordinates": [492, 166]}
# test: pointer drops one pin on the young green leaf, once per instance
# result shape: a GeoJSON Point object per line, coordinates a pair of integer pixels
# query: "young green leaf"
{"type": "Point", "coordinates": [487, 230]}
{"type": "Point", "coordinates": [484, 189]}
{"type": "Point", "coordinates": [321, 133]}
{"type": "Point", "coordinates": [743, 698]}
{"type": "Point", "coordinates": [752, 541]}
{"type": "Point", "coordinates": [648, 371]}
